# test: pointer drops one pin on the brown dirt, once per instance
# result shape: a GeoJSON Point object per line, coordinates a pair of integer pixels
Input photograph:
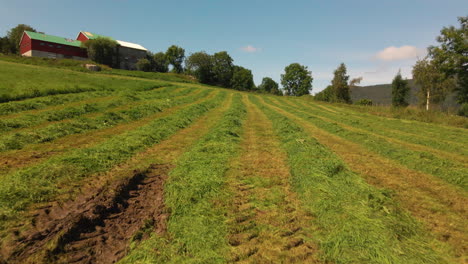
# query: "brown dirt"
{"type": "Point", "coordinates": [267, 223]}
{"type": "Point", "coordinates": [97, 226]}
{"type": "Point", "coordinates": [440, 206]}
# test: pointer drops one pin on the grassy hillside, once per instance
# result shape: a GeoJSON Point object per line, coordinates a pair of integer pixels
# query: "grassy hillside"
{"type": "Point", "coordinates": [382, 95]}
{"type": "Point", "coordinates": [138, 167]}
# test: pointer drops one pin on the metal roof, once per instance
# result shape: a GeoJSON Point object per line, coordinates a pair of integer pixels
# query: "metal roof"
{"type": "Point", "coordinates": [53, 39]}
{"type": "Point", "coordinates": [120, 42]}
{"type": "Point", "coordinates": [94, 35]}
{"type": "Point", "coordinates": [131, 45]}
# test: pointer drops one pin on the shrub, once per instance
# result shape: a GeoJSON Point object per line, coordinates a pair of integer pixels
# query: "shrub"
{"type": "Point", "coordinates": [143, 65]}
{"type": "Point", "coordinates": [463, 111]}
{"type": "Point", "coordinates": [363, 102]}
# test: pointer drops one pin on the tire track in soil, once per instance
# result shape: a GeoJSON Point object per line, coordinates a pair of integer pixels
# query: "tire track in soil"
{"type": "Point", "coordinates": [266, 222]}
{"type": "Point", "coordinates": [97, 226]}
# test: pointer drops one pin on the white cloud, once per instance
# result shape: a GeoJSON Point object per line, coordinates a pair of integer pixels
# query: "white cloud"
{"type": "Point", "coordinates": [250, 49]}
{"type": "Point", "coordinates": [401, 53]}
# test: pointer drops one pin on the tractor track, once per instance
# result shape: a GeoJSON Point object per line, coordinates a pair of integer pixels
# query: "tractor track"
{"type": "Point", "coordinates": [97, 228]}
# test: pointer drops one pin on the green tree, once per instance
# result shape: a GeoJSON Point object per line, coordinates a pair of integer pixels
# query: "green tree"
{"type": "Point", "coordinates": [175, 56]}
{"type": "Point", "coordinates": [340, 87]}
{"type": "Point", "coordinates": [5, 45]}
{"type": "Point", "coordinates": [14, 36]}
{"type": "Point", "coordinates": [400, 90]}
{"type": "Point", "coordinates": [160, 62]}
{"type": "Point", "coordinates": [451, 57]}
{"type": "Point", "coordinates": [325, 95]}
{"type": "Point", "coordinates": [222, 68]}
{"type": "Point", "coordinates": [143, 65]}
{"type": "Point", "coordinates": [268, 85]}
{"type": "Point", "coordinates": [242, 79]}
{"type": "Point", "coordinates": [296, 80]}
{"type": "Point", "coordinates": [433, 82]}
{"type": "Point", "coordinates": [200, 65]}
{"type": "Point", "coordinates": [101, 50]}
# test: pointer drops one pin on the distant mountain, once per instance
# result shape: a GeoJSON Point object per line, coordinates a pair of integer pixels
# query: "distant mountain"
{"type": "Point", "coordinates": [381, 94]}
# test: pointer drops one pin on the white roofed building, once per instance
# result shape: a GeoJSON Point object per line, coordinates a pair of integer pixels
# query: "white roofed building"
{"type": "Point", "coordinates": [129, 53]}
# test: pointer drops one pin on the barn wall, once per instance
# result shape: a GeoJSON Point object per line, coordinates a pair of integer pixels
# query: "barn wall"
{"type": "Point", "coordinates": [81, 37]}
{"type": "Point", "coordinates": [129, 57]}
{"type": "Point", "coordinates": [51, 55]}
{"type": "Point", "coordinates": [66, 51]}
{"type": "Point", "coordinates": [25, 44]}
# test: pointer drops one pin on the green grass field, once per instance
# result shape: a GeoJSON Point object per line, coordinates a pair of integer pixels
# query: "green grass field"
{"type": "Point", "coordinates": [137, 167]}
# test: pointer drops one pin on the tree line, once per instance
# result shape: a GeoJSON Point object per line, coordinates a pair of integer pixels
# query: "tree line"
{"type": "Point", "coordinates": [443, 70]}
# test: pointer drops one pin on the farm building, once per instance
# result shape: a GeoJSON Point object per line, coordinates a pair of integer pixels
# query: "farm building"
{"type": "Point", "coordinates": [129, 53]}
{"type": "Point", "coordinates": [34, 44]}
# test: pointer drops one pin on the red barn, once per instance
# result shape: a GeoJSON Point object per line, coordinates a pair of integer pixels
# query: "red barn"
{"type": "Point", "coordinates": [35, 44]}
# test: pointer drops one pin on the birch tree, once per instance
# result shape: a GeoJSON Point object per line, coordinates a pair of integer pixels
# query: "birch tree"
{"type": "Point", "coordinates": [434, 83]}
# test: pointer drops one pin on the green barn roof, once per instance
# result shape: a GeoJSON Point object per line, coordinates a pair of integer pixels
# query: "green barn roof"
{"type": "Point", "coordinates": [53, 39]}
{"type": "Point", "coordinates": [94, 35]}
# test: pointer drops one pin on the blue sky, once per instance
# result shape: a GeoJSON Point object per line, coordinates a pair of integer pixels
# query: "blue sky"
{"type": "Point", "coordinates": [373, 38]}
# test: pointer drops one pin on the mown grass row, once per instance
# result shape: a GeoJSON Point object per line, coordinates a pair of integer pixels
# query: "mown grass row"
{"type": "Point", "coordinates": [450, 171]}
{"type": "Point", "coordinates": [383, 128]}
{"type": "Point", "coordinates": [84, 124]}
{"type": "Point", "coordinates": [194, 194]}
{"type": "Point", "coordinates": [410, 126]}
{"type": "Point", "coordinates": [100, 105]}
{"type": "Point", "coordinates": [358, 223]}
{"type": "Point", "coordinates": [21, 82]}
{"type": "Point", "coordinates": [42, 182]}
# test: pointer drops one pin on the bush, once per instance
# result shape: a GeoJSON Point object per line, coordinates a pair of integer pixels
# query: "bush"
{"type": "Point", "coordinates": [363, 102]}
{"type": "Point", "coordinates": [143, 65]}
{"type": "Point", "coordinates": [463, 111]}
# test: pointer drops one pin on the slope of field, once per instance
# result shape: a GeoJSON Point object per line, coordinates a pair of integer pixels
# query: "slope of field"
{"type": "Point", "coordinates": [100, 168]}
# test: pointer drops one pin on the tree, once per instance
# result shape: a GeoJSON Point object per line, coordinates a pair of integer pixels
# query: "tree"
{"type": "Point", "coordinates": [160, 62]}
{"type": "Point", "coordinates": [296, 80]}
{"type": "Point", "coordinates": [14, 36]}
{"type": "Point", "coordinates": [175, 56]}
{"type": "Point", "coordinates": [222, 68]}
{"type": "Point", "coordinates": [340, 87]}
{"type": "Point", "coordinates": [268, 85]}
{"type": "Point", "coordinates": [325, 95]}
{"type": "Point", "coordinates": [451, 57]}
{"type": "Point", "coordinates": [400, 90]}
{"type": "Point", "coordinates": [200, 65]}
{"type": "Point", "coordinates": [242, 79]}
{"type": "Point", "coordinates": [433, 82]}
{"type": "Point", "coordinates": [143, 65]}
{"type": "Point", "coordinates": [5, 45]}
{"type": "Point", "coordinates": [101, 50]}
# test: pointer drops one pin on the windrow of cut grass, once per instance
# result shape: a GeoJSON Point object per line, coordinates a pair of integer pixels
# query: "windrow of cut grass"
{"type": "Point", "coordinates": [195, 196]}
{"type": "Point", "coordinates": [435, 130]}
{"type": "Point", "coordinates": [24, 81]}
{"type": "Point", "coordinates": [81, 108]}
{"type": "Point", "coordinates": [57, 175]}
{"type": "Point", "coordinates": [36, 153]}
{"type": "Point", "coordinates": [103, 120]}
{"type": "Point", "coordinates": [358, 222]}
{"type": "Point", "coordinates": [448, 170]}
{"type": "Point", "coordinates": [381, 127]}
{"type": "Point", "coordinates": [39, 103]}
